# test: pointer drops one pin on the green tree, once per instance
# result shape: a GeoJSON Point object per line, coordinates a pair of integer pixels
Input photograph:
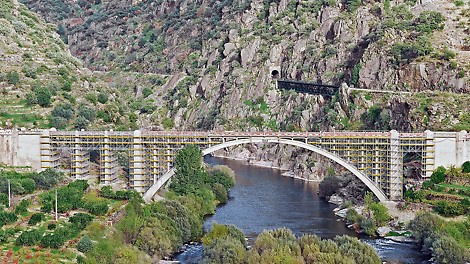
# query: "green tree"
{"type": "Point", "coordinates": [466, 167]}
{"type": "Point", "coordinates": [13, 78]}
{"type": "Point", "coordinates": [102, 98]}
{"type": "Point", "coordinates": [189, 172]}
{"type": "Point", "coordinates": [29, 238]}
{"type": "Point", "coordinates": [85, 244]}
{"type": "Point", "coordinates": [447, 250]}
{"type": "Point", "coordinates": [220, 193]}
{"type": "Point", "coordinates": [380, 213]}
{"type": "Point", "coordinates": [43, 96]}
{"type": "Point", "coordinates": [53, 240]}
{"type": "Point", "coordinates": [36, 218]}
{"type": "Point", "coordinates": [329, 186]}
{"type": "Point", "coordinates": [438, 175]}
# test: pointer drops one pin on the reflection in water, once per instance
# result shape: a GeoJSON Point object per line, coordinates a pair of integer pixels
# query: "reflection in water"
{"type": "Point", "coordinates": [264, 199]}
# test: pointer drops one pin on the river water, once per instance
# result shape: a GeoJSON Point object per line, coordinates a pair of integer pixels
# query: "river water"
{"type": "Point", "coordinates": [263, 199]}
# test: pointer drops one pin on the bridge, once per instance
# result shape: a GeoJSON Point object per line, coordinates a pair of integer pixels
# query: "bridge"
{"type": "Point", "coordinates": [376, 158]}
{"type": "Point", "coordinates": [310, 88]}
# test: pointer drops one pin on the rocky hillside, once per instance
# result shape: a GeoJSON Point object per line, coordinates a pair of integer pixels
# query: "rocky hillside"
{"type": "Point", "coordinates": [221, 56]}
{"type": "Point", "coordinates": [209, 64]}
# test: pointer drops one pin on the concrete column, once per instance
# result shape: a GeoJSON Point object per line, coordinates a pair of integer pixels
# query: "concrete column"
{"type": "Point", "coordinates": [108, 163]}
{"type": "Point", "coordinates": [396, 167]}
{"type": "Point", "coordinates": [48, 153]}
{"type": "Point", "coordinates": [80, 158]}
{"type": "Point", "coordinates": [137, 163]}
{"type": "Point", "coordinates": [429, 159]}
{"type": "Point", "coordinates": [461, 148]}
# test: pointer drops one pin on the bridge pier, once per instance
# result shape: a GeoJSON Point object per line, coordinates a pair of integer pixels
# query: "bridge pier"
{"type": "Point", "coordinates": [136, 168]}
{"type": "Point", "coordinates": [396, 167]}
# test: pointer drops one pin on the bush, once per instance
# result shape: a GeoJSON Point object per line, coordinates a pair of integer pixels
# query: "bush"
{"type": "Point", "coordinates": [51, 226]}
{"type": "Point", "coordinates": [81, 220]}
{"type": "Point", "coordinates": [352, 216]}
{"type": "Point", "coordinates": [447, 250]}
{"type": "Point", "coordinates": [97, 208]}
{"type": "Point", "coordinates": [369, 227]}
{"type": "Point", "coordinates": [54, 240]}
{"type": "Point", "coordinates": [220, 193]}
{"type": "Point", "coordinates": [102, 98]}
{"type": "Point", "coordinates": [29, 238]}
{"type": "Point", "coordinates": [4, 199]}
{"type": "Point", "coordinates": [438, 175]}
{"type": "Point", "coordinates": [329, 186]}
{"type": "Point", "coordinates": [43, 96]}
{"type": "Point", "coordinates": [36, 218]}
{"type": "Point", "coordinates": [28, 184]}
{"type": "Point", "coordinates": [425, 225]}
{"type": "Point", "coordinates": [7, 218]}
{"type": "Point", "coordinates": [445, 208]}
{"type": "Point", "coordinates": [85, 244]}
{"type": "Point", "coordinates": [13, 78]}
{"type": "Point", "coordinates": [22, 207]}
{"type": "Point", "coordinates": [466, 167]}
{"type": "Point", "coordinates": [380, 212]}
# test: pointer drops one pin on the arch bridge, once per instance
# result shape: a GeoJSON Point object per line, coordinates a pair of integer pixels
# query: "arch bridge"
{"type": "Point", "coordinates": [376, 158]}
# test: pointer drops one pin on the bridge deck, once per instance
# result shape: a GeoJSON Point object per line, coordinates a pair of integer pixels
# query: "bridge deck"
{"type": "Point", "coordinates": [310, 88]}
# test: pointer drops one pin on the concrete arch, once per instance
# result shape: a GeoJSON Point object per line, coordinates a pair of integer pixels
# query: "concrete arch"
{"type": "Point", "coordinates": [368, 182]}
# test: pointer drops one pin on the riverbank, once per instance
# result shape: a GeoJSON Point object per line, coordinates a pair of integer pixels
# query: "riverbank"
{"type": "Point", "coordinates": [267, 164]}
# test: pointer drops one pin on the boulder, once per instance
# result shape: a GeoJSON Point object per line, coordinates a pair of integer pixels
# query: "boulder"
{"type": "Point", "coordinates": [335, 199]}
{"type": "Point", "coordinates": [383, 231]}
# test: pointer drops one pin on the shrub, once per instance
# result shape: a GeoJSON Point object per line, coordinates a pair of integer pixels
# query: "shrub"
{"type": "Point", "coordinates": [36, 218]}
{"type": "Point", "coordinates": [97, 208]}
{"type": "Point", "coordinates": [449, 208]}
{"type": "Point", "coordinates": [220, 193]}
{"type": "Point", "coordinates": [13, 78]}
{"type": "Point", "coordinates": [29, 238]}
{"type": "Point", "coordinates": [43, 96]}
{"type": "Point", "coordinates": [369, 227]}
{"type": "Point", "coordinates": [54, 240]}
{"type": "Point", "coordinates": [466, 167]}
{"type": "Point", "coordinates": [51, 226]}
{"type": "Point", "coordinates": [22, 207]}
{"type": "Point", "coordinates": [438, 175]}
{"type": "Point", "coordinates": [329, 186]}
{"type": "Point", "coordinates": [425, 225]}
{"type": "Point", "coordinates": [85, 244]}
{"type": "Point", "coordinates": [447, 250]}
{"type": "Point", "coordinates": [4, 199]}
{"type": "Point", "coordinates": [380, 212]}
{"type": "Point", "coordinates": [28, 184]}
{"type": "Point", "coordinates": [352, 216]}
{"type": "Point", "coordinates": [102, 98]}
{"type": "Point", "coordinates": [7, 218]}
{"type": "Point", "coordinates": [81, 220]}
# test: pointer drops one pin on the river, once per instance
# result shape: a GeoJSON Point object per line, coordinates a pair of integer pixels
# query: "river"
{"type": "Point", "coordinates": [264, 199]}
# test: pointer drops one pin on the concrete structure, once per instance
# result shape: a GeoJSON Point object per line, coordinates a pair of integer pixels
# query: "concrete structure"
{"type": "Point", "coordinates": [376, 158]}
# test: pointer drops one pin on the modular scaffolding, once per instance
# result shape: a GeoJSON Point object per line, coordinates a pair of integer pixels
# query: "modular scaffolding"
{"type": "Point", "coordinates": [377, 155]}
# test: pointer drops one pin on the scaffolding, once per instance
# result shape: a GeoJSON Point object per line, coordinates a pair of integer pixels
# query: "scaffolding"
{"type": "Point", "coordinates": [377, 155]}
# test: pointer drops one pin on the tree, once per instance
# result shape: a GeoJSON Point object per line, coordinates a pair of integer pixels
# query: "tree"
{"type": "Point", "coordinates": [380, 213]}
{"type": "Point", "coordinates": [368, 199]}
{"type": "Point", "coordinates": [4, 199]}
{"type": "Point", "coordinates": [329, 186]}
{"type": "Point", "coordinates": [447, 250]}
{"type": "Point", "coordinates": [28, 184]}
{"type": "Point", "coordinates": [368, 225]}
{"type": "Point", "coordinates": [466, 167]}
{"type": "Point", "coordinates": [81, 220]}
{"type": "Point", "coordinates": [54, 240]}
{"type": "Point", "coordinates": [36, 218]}
{"type": "Point", "coordinates": [43, 96]}
{"type": "Point", "coordinates": [425, 225]}
{"type": "Point", "coordinates": [189, 173]}
{"type": "Point", "coordinates": [29, 238]}
{"type": "Point", "coordinates": [438, 175]}
{"type": "Point", "coordinates": [81, 123]}
{"type": "Point", "coordinates": [102, 98]}
{"type": "Point", "coordinates": [220, 193]}
{"type": "Point", "coordinates": [85, 244]}
{"type": "Point", "coordinates": [22, 207]}
{"type": "Point", "coordinates": [13, 77]}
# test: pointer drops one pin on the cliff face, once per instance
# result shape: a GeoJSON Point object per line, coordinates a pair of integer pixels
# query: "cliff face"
{"type": "Point", "coordinates": [210, 64]}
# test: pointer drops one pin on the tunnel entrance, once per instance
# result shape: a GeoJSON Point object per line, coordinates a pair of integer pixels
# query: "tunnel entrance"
{"type": "Point", "coordinates": [275, 74]}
